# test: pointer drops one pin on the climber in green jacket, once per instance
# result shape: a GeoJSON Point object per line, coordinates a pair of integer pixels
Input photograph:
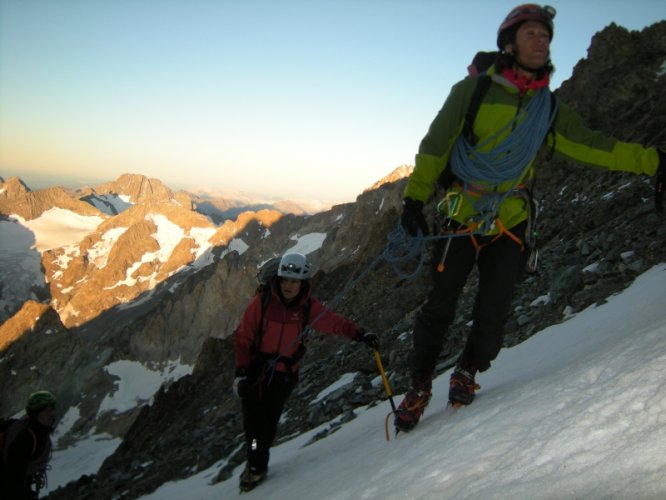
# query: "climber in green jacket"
{"type": "Point", "coordinates": [482, 146]}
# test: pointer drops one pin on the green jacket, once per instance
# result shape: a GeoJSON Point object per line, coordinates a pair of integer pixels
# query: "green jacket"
{"type": "Point", "coordinates": [573, 140]}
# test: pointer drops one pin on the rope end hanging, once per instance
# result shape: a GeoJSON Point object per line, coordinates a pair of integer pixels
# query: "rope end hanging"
{"type": "Point", "coordinates": [402, 247]}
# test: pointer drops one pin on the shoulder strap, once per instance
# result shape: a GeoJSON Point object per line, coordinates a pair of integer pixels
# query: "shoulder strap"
{"type": "Point", "coordinates": [482, 86]}
{"type": "Point", "coordinates": [265, 299]}
{"type": "Point", "coordinates": [554, 109]}
{"type": "Point", "coordinates": [483, 81]}
{"type": "Point", "coordinates": [12, 428]}
{"type": "Point", "coordinates": [34, 441]}
{"type": "Point", "coordinates": [306, 316]}
{"type": "Point", "coordinates": [266, 293]}
{"type": "Point", "coordinates": [4, 430]}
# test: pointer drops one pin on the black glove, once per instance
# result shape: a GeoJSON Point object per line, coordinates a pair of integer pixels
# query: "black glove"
{"type": "Point", "coordinates": [660, 177]}
{"type": "Point", "coordinates": [369, 339]}
{"type": "Point", "coordinates": [412, 219]}
{"type": "Point", "coordinates": [241, 383]}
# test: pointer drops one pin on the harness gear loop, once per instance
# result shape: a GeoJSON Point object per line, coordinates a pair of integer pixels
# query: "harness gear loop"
{"type": "Point", "coordinates": [471, 231]}
{"type": "Point", "coordinates": [504, 231]}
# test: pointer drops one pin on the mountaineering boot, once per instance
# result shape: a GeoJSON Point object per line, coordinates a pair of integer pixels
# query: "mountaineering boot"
{"type": "Point", "coordinates": [462, 387]}
{"type": "Point", "coordinates": [251, 478]}
{"type": "Point", "coordinates": [412, 407]}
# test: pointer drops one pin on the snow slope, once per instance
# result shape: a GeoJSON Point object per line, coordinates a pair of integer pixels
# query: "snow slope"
{"type": "Point", "coordinates": [21, 245]}
{"type": "Point", "coordinates": [577, 411]}
{"type": "Point", "coordinates": [59, 227]}
{"type": "Point", "coordinates": [20, 266]}
{"type": "Point", "coordinates": [135, 385]}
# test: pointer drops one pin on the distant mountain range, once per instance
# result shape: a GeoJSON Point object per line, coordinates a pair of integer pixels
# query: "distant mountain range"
{"type": "Point", "coordinates": [103, 246]}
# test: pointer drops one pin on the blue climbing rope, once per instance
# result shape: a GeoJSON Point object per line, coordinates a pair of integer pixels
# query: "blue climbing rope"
{"type": "Point", "coordinates": [510, 159]}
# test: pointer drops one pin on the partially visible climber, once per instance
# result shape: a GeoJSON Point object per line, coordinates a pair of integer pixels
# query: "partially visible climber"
{"type": "Point", "coordinates": [26, 448]}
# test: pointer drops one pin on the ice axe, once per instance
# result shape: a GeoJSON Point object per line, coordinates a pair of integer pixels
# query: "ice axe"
{"type": "Point", "coordinates": [387, 388]}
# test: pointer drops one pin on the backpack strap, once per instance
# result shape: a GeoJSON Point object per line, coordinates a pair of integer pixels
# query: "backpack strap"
{"type": "Point", "coordinates": [306, 316]}
{"type": "Point", "coordinates": [483, 81]}
{"type": "Point", "coordinates": [482, 86]}
{"type": "Point", "coordinates": [12, 429]}
{"type": "Point", "coordinates": [266, 292]}
{"type": "Point", "coordinates": [34, 441]}
{"type": "Point", "coordinates": [551, 131]}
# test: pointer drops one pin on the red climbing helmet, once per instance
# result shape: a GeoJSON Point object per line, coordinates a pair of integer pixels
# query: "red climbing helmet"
{"type": "Point", "coordinates": [522, 13]}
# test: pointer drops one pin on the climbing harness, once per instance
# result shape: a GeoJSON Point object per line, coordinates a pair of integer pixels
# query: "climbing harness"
{"type": "Point", "coordinates": [510, 159]}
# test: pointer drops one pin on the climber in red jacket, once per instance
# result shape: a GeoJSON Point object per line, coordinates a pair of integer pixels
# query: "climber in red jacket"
{"type": "Point", "coordinates": [269, 346]}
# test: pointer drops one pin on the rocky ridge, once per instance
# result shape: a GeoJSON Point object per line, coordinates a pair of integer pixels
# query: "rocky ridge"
{"type": "Point", "coordinates": [17, 199]}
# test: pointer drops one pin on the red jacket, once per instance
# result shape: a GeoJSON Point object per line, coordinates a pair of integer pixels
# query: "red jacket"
{"type": "Point", "coordinates": [281, 327]}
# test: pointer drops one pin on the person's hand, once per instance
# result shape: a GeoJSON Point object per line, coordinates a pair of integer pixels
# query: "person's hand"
{"type": "Point", "coordinates": [660, 179]}
{"type": "Point", "coordinates": [240, 386]}
{"type": "Point", "coordinates": [412, 218]}
{"type": "Point", "coordinates": [369, 339]}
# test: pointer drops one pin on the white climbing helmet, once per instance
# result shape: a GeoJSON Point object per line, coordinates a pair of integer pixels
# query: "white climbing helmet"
{"type": "Point", "coordinates": [294, 266]}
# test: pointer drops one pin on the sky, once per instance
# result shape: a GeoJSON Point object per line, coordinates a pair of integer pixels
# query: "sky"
{"type": "Point", "coordinates": [576, 411]}
{"type": "Point", "coordinates": [300, 99]}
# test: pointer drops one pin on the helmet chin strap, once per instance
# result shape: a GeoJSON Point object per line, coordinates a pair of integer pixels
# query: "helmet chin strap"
{"type": "Point", "coordinates": [540, 71]}
{"type": "Point", "coordinates": [526, 68]}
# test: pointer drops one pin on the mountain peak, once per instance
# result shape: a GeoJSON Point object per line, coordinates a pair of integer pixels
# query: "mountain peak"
{"type": "Point", "coordinates": [398, 173]}
{"type": "Point", "coordinates": [14, 187]}
{"type": "Point", "coordinates": [137, 187]}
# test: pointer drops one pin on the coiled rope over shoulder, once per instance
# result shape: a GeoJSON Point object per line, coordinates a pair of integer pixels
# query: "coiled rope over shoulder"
{"type": "Point", "coordinates": [510, 159]}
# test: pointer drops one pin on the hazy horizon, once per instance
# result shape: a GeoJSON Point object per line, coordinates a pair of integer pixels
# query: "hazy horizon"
{"type": "Point", "coordinates": [37, 181]}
